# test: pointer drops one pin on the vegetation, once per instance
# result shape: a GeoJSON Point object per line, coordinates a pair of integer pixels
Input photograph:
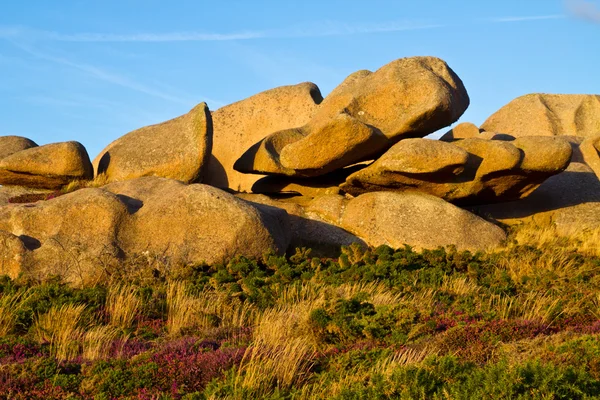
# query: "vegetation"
{"type": "Point", "coordinates": [520, 322]}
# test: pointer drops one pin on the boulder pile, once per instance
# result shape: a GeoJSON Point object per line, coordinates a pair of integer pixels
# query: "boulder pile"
{"type": "Point", "coordinates": [287, 168]}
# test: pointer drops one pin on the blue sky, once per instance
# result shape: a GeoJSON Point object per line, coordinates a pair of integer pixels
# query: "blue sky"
{"type": "Point", "coordinates": [92, 71]}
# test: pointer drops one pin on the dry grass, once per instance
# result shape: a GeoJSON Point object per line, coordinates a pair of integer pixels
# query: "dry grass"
{"type": "Point", "coordinates": [181, 308]}
{"type": "Point", "coordinates": [97, 342]}
{"type": "Point", "coordinates": [536, 306]}
{"type": "Point", "coordinates": [60, 327]}
{"type": "Point", "coordinates": [122, 306]}
{"type": "Point", "coordinates": [586, 242]}
{"type": "Point", "coordinates": [10, 304]}
{"type": "Point", "coordinates": [208, 310]}
{"type": "Point", "coordinates": [266, 367]}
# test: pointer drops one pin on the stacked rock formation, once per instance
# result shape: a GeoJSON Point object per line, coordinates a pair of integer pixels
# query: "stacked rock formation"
{"type": "Point", "coordinates": [287, 168]}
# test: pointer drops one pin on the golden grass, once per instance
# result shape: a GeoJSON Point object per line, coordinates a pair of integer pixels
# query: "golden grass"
{"type": "Point", "coordinates": [97, 342]}
{"type": "Point", "coordinates": [585, 241]}
{"type": "Point", "coordinates": [205, 311]}
{"type": "Point", "coordinates": [530, 306]}
{"type": "Point", "coordinates": [10, 304]}
{"type": "Point", "coordinates": [266, 367]}
{"type": "Point", "coordinates": [60, 327]}
{"type": "Point", "coordinates": [181, 308]}
{"type": "Point", "coordinates": [122, 305]}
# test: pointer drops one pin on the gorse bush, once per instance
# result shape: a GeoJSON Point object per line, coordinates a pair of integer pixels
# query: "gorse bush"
{"type": "Point", "coordinates": [522, 322]}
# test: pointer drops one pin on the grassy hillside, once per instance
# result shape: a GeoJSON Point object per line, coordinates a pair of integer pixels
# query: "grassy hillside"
{"type": "Point", "coordinates": [521, 322]}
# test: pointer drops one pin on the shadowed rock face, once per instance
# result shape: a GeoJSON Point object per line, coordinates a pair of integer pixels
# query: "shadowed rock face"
{"type": "Point", "coordinates": [308, 229]}
{"type": "Point", "coordinates": [48, 167]}
{"type": "Point", "coordinates": [12, 144]}
{"type": "Point", "coordinates": [547, 115]}
{"type": "Point", "coordinates": [569, 200]}
{"type": "Point", "coordinates": [362, 117]}
{"type": "Point", "coordinates": [469, 171]}
{"type": "Point", "coordinates": [81, 235]}
{"type": "Point", "coordinates": [240, 125]}
{"type": "Point", "coordinates": [176, 149]}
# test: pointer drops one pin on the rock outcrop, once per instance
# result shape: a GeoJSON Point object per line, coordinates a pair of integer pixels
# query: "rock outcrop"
{"type": "Point", "coordinates": [362, 117]}
{"type": "Point", "coordinates": [176, 149]}
{"type": "Point", "coordinates": [547, 115]}
{"type": "Point", "coordinates": [238, 126]}
{"type": "Point", "coordinates": [12, 144]}
{"type": "Point", "coordinates": [82, 235]}
{"type": "Point", "coordinates": [48, 167]}
{"type": "Point", "coordinates": [468, 171]}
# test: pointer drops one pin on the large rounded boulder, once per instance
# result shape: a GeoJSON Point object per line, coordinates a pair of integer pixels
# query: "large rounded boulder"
{"type": "Point", "coordinates": [176, 149]}
{"type": "Point", "coordinates": [547, 115]}
{"type": "Point", "coordinates": [409, 218]}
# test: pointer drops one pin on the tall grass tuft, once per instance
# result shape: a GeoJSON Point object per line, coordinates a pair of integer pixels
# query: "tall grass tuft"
{"type": "Point", "coordinates": [181, 308]}
{"type": "Point", "coordinates": [60, 327]}
{"type": "Point", "coordinates": [98, 341]}
{"type": "Point", "coordinates": [122, 306]}
{"type": "Point", "coordinates": [10, 304]}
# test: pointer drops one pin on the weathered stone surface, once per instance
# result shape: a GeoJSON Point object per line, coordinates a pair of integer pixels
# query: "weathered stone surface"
{"type": "Point", "coordinates": [468, 171]}
{"type": "Point", "coordinates": [195, 223]}
{"type": "Point", "coordinates": [13, 255]}
{"type": "Point", "coordinates": [12, 144]}
{"type": "Point", "coordinates": [463, 130]}
{"type": "Point", "coordinates": [361, 118]}
{"type": "Point", "coordinates": [308, 229]}
{"type": "Point", "coordinates": [419, 220]}
{"type": "Point", "coordinates": [74, 236]}
{"type": "Point", "coordinates": [50, 166]}
{"type": "Point", "coordinates": [83, 234]}
{"type": "Point", "coordinates": [240, 125]}
{"type": "Point", "coordinates": [176, 149]}
{"type": "Point", "coordinates": [547, 115]}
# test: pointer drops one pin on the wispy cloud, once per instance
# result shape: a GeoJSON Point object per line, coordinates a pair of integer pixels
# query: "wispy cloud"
{"type": "Point", "coordinates": [110, 77]}
{"type": "Point", "coordinates": [584, 9]}
{"type": "Point", "coordinates": [528, 18]}
{"type": "Point", "coordinates": [321, 29]}
{"type": "Point", "coordinates": [317, 29]}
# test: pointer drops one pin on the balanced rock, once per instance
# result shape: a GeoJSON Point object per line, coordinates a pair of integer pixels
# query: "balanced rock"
{"type": "Point", "coordinates": [238, 126]}
{"type": "Point", "coordinates": [362, 117]}
{"type": "Point", "coordinates": [466, 171]}
{"type": "Point", "coordinates": [50, 166]}
{"type": "Point", "coordinates": [12, 144]}
{"type": "Point", "coordinates": [548, 115]}
{"type": "Point", "coordinates": [416, 219]}
{"type": "Point", "coordinates": [176, 149]}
